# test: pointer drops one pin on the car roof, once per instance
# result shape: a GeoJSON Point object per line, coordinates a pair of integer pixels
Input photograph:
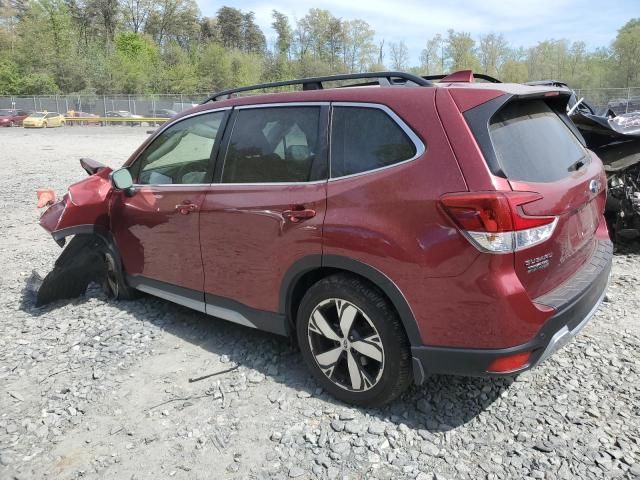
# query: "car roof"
{"type": "Point", "coordinates": [386, 95]}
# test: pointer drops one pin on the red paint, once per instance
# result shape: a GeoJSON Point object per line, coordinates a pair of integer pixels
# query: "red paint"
{"type": "Point", "coordinates": [249, 243]}
{"type": "Point", "coordinates": [464, 76]}
{"type": "Point", "coordinates": [155, 238]}
{"type": "Point", "coordinates": [13, 118]}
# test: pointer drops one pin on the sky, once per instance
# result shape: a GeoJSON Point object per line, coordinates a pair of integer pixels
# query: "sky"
{"type": "Point", "coordinates": [523, 23]}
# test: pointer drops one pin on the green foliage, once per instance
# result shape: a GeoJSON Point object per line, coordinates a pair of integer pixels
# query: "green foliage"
{"type": "Point", "coordinates": [167, 46]}
{"type": "Point", "coordinates": [626, 50]}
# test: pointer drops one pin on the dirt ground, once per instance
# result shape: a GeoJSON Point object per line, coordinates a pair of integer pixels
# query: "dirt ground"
{"type": "Point", "coordinates": [94, 388]}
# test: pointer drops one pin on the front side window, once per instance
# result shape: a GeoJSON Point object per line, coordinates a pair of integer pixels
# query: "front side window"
{"type": "Point", "coordinates": [181, 154]}
{"type": "Point", "coordinates": [272, 144]}
{"type": "Point", "coordinates": [364, 139]}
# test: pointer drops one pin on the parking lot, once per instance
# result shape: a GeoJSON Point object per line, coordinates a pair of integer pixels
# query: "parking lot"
{"type": "Point", "coordinates": [94, 388]}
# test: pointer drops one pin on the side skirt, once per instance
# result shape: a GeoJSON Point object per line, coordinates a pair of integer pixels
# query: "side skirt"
{"type": "Point", "coordinates": [219, 307]}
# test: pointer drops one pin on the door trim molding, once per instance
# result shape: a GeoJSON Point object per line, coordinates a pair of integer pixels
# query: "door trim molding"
{"type": "Point", "coordinates": [219, 307]}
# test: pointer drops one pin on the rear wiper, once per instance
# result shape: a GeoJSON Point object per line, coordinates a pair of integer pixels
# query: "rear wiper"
{"type": "Point", "coordinates": [574, 167]}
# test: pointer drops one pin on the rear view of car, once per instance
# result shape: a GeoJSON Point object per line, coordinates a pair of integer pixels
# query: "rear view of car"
{"type": "Point", "coordinates": [536, 216]}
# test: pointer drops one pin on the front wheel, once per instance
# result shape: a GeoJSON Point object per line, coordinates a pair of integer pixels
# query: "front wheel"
{"type": "Point", "coordinates": [113, 283]}
{"type": "Point", "coordinates": [353, 342]}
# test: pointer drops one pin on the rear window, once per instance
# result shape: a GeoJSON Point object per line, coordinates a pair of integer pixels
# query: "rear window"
{"type": "Point", "coordinates": [364, 139]}
{"type": "Point", "coordinates": [533, 144]}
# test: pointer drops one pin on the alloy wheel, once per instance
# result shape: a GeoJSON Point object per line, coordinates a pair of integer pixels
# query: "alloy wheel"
{"type": "Point", "coordinates": [346, 345]}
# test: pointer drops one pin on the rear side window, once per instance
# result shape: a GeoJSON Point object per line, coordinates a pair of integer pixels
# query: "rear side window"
{"type": "Point", "coordinates": [364, 139]}
{"type": "Point", "coordinates": [533, 144]}
{"type": "Point", "coordinates": [272, 145]}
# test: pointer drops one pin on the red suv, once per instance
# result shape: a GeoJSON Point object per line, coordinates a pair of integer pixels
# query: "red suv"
{"type": "Point", "coordinates": [394, 229]}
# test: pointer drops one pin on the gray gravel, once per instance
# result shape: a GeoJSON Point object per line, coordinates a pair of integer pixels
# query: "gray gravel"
{"type": "Point", "coordinates": [99, 389]}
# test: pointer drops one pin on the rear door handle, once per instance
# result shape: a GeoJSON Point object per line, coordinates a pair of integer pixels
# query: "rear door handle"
{"type": "Point", "coordinates": [186, 207]}
{"type": "Point", "coordinates": [296, 215]}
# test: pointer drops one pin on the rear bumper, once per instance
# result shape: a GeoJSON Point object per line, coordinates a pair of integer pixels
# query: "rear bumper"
{"type": "Point", "coordinates": [575, 302]}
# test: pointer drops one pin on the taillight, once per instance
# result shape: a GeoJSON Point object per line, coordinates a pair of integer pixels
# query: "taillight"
{"type": "Point", "coordinates": [495, 222]}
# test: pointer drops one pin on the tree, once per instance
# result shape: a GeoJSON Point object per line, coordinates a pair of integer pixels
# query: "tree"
{"type": "Point", "coordinates": [253, 40]}
{"type": "Point", "coordinates": [493, 51]}
{"type": "Point", "coordinates": [626, 49]}
{"type": "Point", "coordinates": [284, 32]}
{"type": "Point", "coordinates": [174, 20]}
{"type": "Point", "coordinates": [399, 55]}
{"type": "Point", "coordinates": [359, 50]}
{"type": "Point", "coordinates": [229, 23]}
{"type": "Point", "coordinates": [460, 51]}
{"type": "Point", "coordinates": [431, 56]}
{"type": "Point", "coordinates": [136, 13]}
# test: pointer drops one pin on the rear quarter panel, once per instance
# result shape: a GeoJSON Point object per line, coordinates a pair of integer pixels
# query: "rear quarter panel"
{"type": "Point", "coordinates": [391, 220]}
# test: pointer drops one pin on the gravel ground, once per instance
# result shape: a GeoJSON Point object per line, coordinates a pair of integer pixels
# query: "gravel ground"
{"type": "Point", "coordinates": [94, 388]}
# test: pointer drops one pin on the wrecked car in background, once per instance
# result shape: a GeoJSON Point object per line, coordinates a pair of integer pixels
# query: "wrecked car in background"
{"type": "Point", "coordinates": [615, 138]}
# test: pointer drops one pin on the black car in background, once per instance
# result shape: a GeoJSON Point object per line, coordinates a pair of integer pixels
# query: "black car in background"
{"type": "Point", "coordinates": [160, 113]}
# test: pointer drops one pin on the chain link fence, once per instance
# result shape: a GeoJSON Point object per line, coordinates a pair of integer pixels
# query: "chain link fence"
{"type": "Point", "coordinates": [144, 105]}
{"type": "Point", "coordinates": [620, 100]}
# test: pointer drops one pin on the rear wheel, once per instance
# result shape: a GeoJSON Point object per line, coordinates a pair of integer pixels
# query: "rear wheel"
{"type": "Point", "coordinates": [44, 124]}
{"type": "Point", "coordinates": [353, 342]}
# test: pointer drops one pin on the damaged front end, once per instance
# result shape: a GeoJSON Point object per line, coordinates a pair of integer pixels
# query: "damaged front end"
{"type": "Point", "coordinates": [83, 212]}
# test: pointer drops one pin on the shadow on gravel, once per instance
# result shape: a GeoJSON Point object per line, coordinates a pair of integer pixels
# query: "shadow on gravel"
{"type": "Point", "coordinates": [442, 403]}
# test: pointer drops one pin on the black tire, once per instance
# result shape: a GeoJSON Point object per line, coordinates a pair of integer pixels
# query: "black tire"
{"type": "Point", "coordinates": [392, 371]}
{"type": "Point", "coordinates": [113, 283]}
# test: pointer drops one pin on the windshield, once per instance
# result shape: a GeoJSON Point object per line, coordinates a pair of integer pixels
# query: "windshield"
{"type": "Point", "coordinates": [37, 115]}
{"type": "Point", "coordinates": [6, 113]}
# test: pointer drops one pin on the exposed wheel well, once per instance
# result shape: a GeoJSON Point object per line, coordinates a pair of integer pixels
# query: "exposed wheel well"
{"type": "Point", "coordinates": [310, 278]}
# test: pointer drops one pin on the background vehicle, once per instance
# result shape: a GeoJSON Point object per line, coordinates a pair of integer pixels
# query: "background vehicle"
{"type": "Point", "coordinates": [161, 113]}
{"type": "Point", "coordinates": [75, 117]}
{"type": "Point", "coordinates": [44, 120]}
{"type": "Point", "coordinates": [615, 137]}
{"type": "Point", "coordinates": [12, 118]}
{"type": "Point", "coordinates": [394, 230]}
{"type": "Point", "coordinates": [123, 114]}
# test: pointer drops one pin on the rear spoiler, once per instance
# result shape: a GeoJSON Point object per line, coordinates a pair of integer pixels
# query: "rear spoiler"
{"type": "Point", "coordinates": [461, 76]}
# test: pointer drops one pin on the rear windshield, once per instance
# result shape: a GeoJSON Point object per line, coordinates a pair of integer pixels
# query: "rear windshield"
{"type": "Point", "coordinates": [533, 144]}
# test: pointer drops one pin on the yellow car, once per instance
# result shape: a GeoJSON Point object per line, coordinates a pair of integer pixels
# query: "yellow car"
{"type": "Point", "coordinates": [43, 120]}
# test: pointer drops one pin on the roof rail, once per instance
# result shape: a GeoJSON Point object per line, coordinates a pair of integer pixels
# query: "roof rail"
{"type": "Point", "coordinates": [315, 83]}
{"type": "Point", "coordinates": [447, 77]}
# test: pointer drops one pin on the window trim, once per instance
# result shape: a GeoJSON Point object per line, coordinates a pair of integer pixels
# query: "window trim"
{"type": "Point", "coordinates": [323, 127]}
{"type": "Point", "coordinates": [167, 125]}
{"type": "Point", "coordinates": [415, 139]}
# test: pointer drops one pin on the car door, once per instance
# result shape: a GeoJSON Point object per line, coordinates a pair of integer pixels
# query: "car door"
{"type": "Point", "coordinates": [156, 229]}
{"type": "Point", "coordinates": [266, 209]}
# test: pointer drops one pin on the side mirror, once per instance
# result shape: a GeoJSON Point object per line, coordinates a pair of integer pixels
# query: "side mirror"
{"type": "Point", "coordinates": [122, 180]}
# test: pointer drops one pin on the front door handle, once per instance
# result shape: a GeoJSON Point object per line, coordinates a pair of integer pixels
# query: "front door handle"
{"type": "Point", "coordinates": [298, 213]}
{"type": "Point", "coordinates": [186, 207]}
